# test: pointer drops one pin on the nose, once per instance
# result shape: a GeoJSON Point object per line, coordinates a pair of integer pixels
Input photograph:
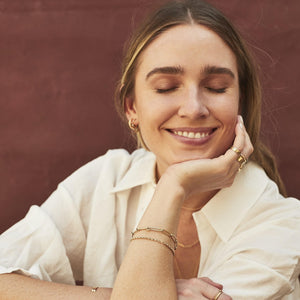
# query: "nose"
{"type": "Point", "coordinates": [193, 106]}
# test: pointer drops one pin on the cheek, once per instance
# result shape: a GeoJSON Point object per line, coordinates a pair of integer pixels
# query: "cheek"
{"type": "Point", "coordinates": [226, 113]}
{"type": "Point", "coordinates": [229, 123]}
{"type": "Point", "coordinates": [230, 118]}
{"type": "Point", "coordinates": [152, 119]}
{"type": "Point", "coordinates": [153, 112]}
{"type": "Point", "coordinates": [228, 106]}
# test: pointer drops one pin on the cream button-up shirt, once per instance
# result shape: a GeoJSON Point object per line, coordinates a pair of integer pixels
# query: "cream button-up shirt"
{"type": "Point", "coordinates": [249, 233]}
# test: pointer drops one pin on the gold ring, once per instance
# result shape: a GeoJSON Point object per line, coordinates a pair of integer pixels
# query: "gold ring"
{"type": "Point", "coordinates": [236, 150]}
{"type": "Point", "coordinates": [218, 295]}
{"type": "Point", "coordinates": [242, 161]}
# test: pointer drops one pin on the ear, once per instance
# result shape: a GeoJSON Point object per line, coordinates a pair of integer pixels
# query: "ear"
{"type": "Point", "coordinates": [130, 108]}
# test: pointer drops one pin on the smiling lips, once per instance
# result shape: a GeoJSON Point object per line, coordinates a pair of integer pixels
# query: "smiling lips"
{"type": "Point", "coordinates": [193, 134]}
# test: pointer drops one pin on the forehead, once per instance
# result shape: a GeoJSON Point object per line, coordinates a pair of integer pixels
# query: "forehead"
{"type": "Point", "coordinates": [187, 46]}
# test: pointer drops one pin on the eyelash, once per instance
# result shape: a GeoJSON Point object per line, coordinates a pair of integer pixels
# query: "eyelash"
{"type": "Point", "coordinates": [217, 91]}
{"type": "Point", "coordinates": [162, 91]}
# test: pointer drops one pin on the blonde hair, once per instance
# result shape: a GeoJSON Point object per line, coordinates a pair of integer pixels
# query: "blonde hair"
{"type": "Point", "coordinates": [200, 12]}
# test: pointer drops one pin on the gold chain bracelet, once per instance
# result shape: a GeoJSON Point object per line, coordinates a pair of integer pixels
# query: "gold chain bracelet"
{"type": "Point", "coordinates": [154, 240]}
{"type": "Point", "coordinates": [163, 231]}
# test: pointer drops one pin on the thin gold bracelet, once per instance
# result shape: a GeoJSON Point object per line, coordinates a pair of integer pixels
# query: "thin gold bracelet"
{"type": "Point", "coordinates": [163, 231]}
{"type": "Point", "coordinates": [154, 240]}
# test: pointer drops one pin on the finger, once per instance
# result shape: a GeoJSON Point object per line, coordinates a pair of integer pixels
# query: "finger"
{"type": "Point", "coordinates": [242, 141]}
{"type": "Point", "coordinates": [219, 294]}
{"type": "Point", "coordinates": [239, 140]}
{"type": "Point", "coordinates": [208, 289]}
{"type": "Point", "coordinates": [222, 296]}
{"type": "Point", "coordinates": [240, 133]}
{"type": "Point", "coordinates": [199, 288]}
{"type": "Point", "coordinates": [194, 286]}
{"type": "Point", "coordinates": [215, 284]}
{"type": "Point", "coordinates": [181, 297]}
{"type": "Point", "coordinates": [248, 148]}
{"type": "Point", "coordinates": [242, 147]}
{"type": "Point", "coordinates": [189, 296]}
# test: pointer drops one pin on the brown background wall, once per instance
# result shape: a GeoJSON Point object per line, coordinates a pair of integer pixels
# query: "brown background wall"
{"type": "Point", "coordinates": [59, 64]}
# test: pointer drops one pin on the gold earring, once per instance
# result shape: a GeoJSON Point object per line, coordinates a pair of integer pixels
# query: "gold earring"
{"type": "Point", "coordinates": [132, 125]}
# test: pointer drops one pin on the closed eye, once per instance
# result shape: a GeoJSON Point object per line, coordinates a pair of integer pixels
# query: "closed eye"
{"type": "Point", "coordinates": [217, 91]}
{"type": "Point", "coordinates": [161, 91]}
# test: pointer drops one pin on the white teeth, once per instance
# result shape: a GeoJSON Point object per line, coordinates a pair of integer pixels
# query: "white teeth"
{"type": "Point", "coordinates": [192, 135]}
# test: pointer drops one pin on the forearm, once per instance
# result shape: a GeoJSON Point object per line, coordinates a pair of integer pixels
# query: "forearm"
{"type": "Point", "coordinates": [15, 287]}
{"type": "Point", "coordinates": [147, 270]}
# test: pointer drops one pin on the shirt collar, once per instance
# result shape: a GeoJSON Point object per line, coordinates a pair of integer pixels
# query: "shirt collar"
{"type": "Point", "coordinates": [138, 172]}
{"type": "Point", "coordinates": [227, 208]}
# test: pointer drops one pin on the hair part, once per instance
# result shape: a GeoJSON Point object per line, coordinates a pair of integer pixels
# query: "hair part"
{"type": "Point", "coordinates": [189, 12]}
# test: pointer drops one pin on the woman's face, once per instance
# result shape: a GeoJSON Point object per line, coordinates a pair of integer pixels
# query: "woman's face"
{"type": "Point", "coordinates": [186, 96]}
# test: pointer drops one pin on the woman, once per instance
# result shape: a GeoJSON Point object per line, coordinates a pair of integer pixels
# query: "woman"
{"type": "Point", "coordinates": [200, 228]}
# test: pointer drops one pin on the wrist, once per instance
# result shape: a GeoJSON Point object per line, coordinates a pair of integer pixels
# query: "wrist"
{"type": "Point", "coordinates": [171, 183]}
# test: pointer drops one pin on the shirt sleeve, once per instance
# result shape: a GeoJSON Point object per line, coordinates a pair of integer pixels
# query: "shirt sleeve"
{"type": "Point", "coordinates": [40, 246]}
{"type": "Point", "coordinates": [262, 261]}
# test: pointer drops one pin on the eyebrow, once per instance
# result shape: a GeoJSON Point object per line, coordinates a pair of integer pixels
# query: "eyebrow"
{"type": "Point", "coordinates": [209, 70]}
{"type": "Point", "coordinates": [166, 70]}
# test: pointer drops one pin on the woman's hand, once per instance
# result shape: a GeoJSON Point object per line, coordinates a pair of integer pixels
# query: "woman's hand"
{"type": "Point", "coordinates": [199, 288]}
{"type": "Point", "coordinates": [198, 176]}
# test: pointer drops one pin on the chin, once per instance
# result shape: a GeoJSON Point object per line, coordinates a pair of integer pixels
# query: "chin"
{"type": "Point", "coordinates": [192, 155]}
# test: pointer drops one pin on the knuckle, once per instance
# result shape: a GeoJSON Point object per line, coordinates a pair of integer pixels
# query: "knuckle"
{"type": "Point", "coordinates": [251, 148]}
{"type": "Point", "coordinates": [205, 285]}
{"type": "Point", "coordinates": [194, 281]}
{"type": "Point", "coordinates": [187, 292]}
{"type": "Point", "coordinates": [244, 132]}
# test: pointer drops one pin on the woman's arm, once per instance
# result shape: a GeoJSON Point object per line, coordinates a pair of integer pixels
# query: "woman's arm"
{"type": "Point", "coordinates": [14, 287]}
{"type": "Point", "coordinates": [147, 270]}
